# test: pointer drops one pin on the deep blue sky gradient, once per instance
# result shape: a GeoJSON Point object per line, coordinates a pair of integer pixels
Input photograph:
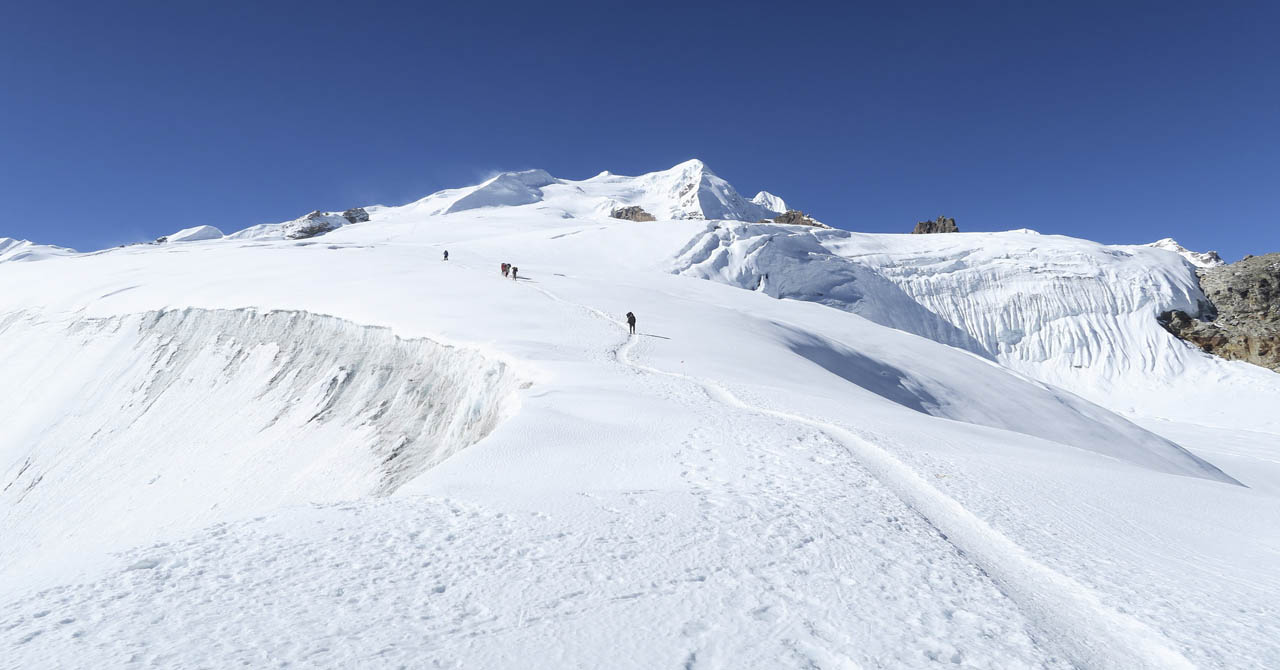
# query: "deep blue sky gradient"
{"type": "Point", "coordinates": [1120, 122]}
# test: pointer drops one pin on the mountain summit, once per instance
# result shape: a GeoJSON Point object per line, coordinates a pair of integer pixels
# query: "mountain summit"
{"type": "Point", "coordinates": [688, 190]}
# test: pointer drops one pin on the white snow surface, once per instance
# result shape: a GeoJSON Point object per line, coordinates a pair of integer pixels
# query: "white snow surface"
{"type": "Point", "coordinates": [1200, 259]}
{"type": "Point", "coordinates": [689, 190]}
{"type": "Point", "coordinates": [906, 451]}
{"type": "Point", "coordinates": [770, 202]}
{"type": "Point", "coordinates": [195, 234]}
{"type": "Point", "coordinates": [24, 250]}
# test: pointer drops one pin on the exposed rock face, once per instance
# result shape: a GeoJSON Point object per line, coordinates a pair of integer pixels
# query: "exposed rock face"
{"type": "Point", "coordinates": [796, 217]}
{"type": "Point", "coordinates": [633, 213]}
{"type": "Point", "coordinates": [1243, 323]}
{"type": "Point", "coordinates": [315, 223]}
{"type": "Point", "coordinates": [941, 224]}
{"type": "Point", "coordinates": [356, 215]}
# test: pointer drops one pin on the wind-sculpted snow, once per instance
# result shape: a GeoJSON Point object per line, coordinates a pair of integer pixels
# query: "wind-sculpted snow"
{"type": "Point", "coordinates": [791, 262]}
{"type": "Point", "coordinates": [1072, 313]}
{"type": "Point", "coordinates": [505, 190]}
{"type": "Point", "coordinates": [179, 418]}
{"type": "Point", "coordinates": [22, 250]}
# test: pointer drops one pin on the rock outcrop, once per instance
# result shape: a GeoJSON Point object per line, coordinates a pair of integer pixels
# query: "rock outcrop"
{"type": "Point", "coordinates": [315, 223]}
{"type": "Point", "coordinates": [795, 217]}
{"type": "Point", "coordinates": [356, 215]}
{"type": "Point", "coordinates": [632, 213]}
{"type": "Point", "coordinates": [942, 224]}
{"type": "Point", "coordinates": [1243, 321]}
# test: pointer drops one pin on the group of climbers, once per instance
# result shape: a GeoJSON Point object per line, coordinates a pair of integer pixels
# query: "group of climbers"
{"type": "Point", "coordinates": [509, 270]}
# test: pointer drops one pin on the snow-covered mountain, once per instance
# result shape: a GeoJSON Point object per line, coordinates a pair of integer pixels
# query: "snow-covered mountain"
{"type": "Point", "coordinates": [23, 250]}
{"type": "Point", "coordinates": [1200, 259]}
{"type": "Point", "coordinates": [194, 234]}
{"type": "Point", "coordinates": [689, 190]}
{"type": "Point", "coordinates": [319, 443]}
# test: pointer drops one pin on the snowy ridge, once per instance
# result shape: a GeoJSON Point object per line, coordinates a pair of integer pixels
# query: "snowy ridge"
{"type": "Point", "coordinates": [195, 234]}
{"type": "Point", "coordinates": [689, 190]}
{"type": "Point", "coordinates": [23, 250]}
{"type": "Point", "coordinates": [324, 410]}
{"type": "Point", "coordinates": [1072, 313]}
{"type": "Point", "coordinates": [770, 202]}
{"type": "Point", "coordinates": [1200, 259]}
{"type": "Point", "coordinates": [791, 262]}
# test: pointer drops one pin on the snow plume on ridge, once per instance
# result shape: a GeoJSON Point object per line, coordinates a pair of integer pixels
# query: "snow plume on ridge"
{"type": "Point", "coordinates": [324, 410]}
{"type": "Point", "coordinates": [505, 190]}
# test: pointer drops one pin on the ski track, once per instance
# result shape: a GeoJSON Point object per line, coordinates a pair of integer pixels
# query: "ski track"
{"type": "Point", "coordinates": [1068, 613]}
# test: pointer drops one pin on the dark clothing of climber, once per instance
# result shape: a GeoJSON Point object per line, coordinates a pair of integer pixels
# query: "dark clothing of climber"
{"type": "Point", "coordinates": [631, 322]}
{"type": "Point", "coordinates": [446, 254]}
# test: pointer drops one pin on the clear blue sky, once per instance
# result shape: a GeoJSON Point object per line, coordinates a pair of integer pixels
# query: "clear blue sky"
{"type": "Point", "coordinates": [1121, 122]}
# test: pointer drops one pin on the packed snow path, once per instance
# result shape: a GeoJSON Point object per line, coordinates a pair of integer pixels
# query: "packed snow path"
{"type": "Point", "coordinates": [1068, 614]}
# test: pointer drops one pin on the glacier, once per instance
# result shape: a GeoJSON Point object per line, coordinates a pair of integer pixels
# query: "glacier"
{"type": "Point", "coordinates": [822, 449]}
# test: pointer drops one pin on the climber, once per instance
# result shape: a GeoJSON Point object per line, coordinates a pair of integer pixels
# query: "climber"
{"type": "Point", "coordinates": [631, 322]}
{"type": "Point", "coordinates": [506, 269]}
{"type": "Point", "coordinates": [446, 254]}
{"type": "Point", "coordinates": [514, 270]}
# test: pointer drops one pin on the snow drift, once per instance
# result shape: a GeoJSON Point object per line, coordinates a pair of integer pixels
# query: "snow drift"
{"type": "Point", "coordinates": [1072, 313]}
{"type": "Point", "coordinates": [178, 418]}
{"type": "Point", "coordinates": [23, 250]}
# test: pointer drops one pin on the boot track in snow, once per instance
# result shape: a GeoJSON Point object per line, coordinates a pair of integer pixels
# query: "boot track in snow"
{"type": "Point", "coordinates": [1069, 615]}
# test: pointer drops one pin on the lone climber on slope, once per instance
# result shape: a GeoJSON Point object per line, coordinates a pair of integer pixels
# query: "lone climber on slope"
{"type": "Point", "coordinates": [631, 322]}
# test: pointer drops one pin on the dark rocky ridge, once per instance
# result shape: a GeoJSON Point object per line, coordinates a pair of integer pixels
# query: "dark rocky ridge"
{"type": "Point", "coordinates": [356, 215]}
{"type": "Point", "coordinates": [942, 224]}
{"type": "Point", "coordinates": [632, 213]}
{"type": "Point", "coordinates": [795, 217]}
{"type": "Point", "coordinates": [1243, 320]}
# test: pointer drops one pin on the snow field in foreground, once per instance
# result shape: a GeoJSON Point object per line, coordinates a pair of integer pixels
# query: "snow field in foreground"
{"type": "Point", "coordinates": [623, 516]}
{"type": "Point", "coordinates": [167, 421]}
{"type": "Point", "coordinates": [775, 550]}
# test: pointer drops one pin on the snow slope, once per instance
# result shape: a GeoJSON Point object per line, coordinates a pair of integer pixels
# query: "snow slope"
{"type": "Point", "coordinates": [195, 234]}
{"type": "Point", "coordinates": [23, 250]}
{"type": "Point", "coordinates": [843, 465]}
{"type": "Point", "coordinates": [1075, 314]}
